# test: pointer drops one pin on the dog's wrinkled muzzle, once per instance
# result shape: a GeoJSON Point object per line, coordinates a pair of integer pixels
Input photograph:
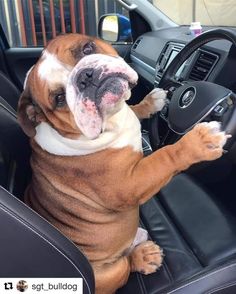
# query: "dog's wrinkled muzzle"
{"type": "Point", "coordinates": [96, 87]}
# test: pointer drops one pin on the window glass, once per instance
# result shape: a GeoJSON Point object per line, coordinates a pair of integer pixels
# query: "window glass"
{"type": "Point", "coordinates": [30, 23]}
{"type": "Point", "coordinates": [208, 12]}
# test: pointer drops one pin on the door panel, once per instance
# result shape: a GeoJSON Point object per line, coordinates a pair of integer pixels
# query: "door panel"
{"type": "Point", "coordinates": [19, 61]}
{"type": "Point", "coordinates": [123, 50]}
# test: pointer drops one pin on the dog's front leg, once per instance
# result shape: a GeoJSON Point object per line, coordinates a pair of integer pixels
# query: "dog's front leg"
{"type": "Point", "coordinates": [204, 142]}
{"type": "Point", "coordinates": [151, 103]}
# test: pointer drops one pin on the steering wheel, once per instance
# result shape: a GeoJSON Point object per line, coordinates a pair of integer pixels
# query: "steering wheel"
{"type": "Point", "coordinates": [192, 102]}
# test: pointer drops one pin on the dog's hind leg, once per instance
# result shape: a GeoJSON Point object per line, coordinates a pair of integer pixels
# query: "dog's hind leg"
{"type": "Point", "coordinates": [146, 258]}
{"type": "Point", "coordinates": [110, 277]}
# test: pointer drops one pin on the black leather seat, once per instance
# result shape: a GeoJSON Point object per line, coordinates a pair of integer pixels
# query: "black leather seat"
{"type": "Point", "coordinates": [8, 91]}
{"type": "Point", "coordinates": [198, 236]}
{"type": "Point", "coordinates": [30, 246]}
{"type": "Point", "coordinates": [199, 241]}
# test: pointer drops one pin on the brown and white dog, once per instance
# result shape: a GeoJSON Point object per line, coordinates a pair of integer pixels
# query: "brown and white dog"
{"type": "Point", "coordinates": [89, 173]}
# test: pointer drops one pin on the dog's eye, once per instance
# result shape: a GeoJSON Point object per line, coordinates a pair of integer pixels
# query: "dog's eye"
{"type": "Point", "coordinates": [89, 48]}
{"type": "Point", "coordinates": [60, 99]}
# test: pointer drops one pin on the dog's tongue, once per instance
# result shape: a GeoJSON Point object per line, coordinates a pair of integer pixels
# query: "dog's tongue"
{"type": "Point", "coordinates": [89, 118]}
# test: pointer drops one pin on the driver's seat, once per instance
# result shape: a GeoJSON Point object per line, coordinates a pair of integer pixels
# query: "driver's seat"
{"type": "Point", "coordinates": [197, 235]}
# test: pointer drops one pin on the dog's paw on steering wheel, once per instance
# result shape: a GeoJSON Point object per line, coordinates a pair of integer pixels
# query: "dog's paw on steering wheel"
{"type": "Point", "coordinates": [156, 99]}
{"type": "Point", "coordinates": [204, 142]}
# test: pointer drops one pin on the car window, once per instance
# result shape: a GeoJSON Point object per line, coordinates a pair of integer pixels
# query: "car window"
{"type": "Point", "coordinates": [34, 22]}
{"type": "Point", "coordinates": [208, 12]}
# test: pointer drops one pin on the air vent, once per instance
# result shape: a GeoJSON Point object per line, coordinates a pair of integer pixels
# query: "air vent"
{"type": "Point", "coordinates": [203, 66]}
{"type": "Point", "coordinates": [136, 43]}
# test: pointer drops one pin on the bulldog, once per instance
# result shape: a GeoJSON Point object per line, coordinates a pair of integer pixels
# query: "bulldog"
{"type": "Point", "coordinates": [89, 175]}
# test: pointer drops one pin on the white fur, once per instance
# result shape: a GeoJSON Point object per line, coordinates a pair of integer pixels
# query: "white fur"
{"type": "Point", "coordinates": [53, 70]}
{"type": "Point", "coordinates": [107, 65]}
{"type": "Point", "coordinates": [215, 129]}
{"type": "Point", "coordinates": [140, 237]}
{"type": "Point", "coordinates": [121, 130]}
{"type": "Point", "coordinates": [26, 77]}
{"type": "Point", "coordinates": [159, 98]}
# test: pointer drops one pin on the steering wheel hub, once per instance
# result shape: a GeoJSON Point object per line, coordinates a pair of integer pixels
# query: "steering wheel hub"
{"type": "Point", "coordinates": [187, 97]}
{"type": "Point", "coordinates": [192, 102]}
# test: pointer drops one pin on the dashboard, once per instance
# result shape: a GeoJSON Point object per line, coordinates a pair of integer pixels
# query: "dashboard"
{"type": "Point", "coordinates": [152, 53]}
{"type": "Point", "coordinates": [214, 62]}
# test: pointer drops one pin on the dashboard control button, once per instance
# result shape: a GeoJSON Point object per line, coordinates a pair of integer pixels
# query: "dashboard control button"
{"type": "Point", "coordinates": [220, 109]}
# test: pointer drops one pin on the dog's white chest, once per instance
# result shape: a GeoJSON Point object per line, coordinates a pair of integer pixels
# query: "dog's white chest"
{"type": "Point", "coordinates": [121, 130]}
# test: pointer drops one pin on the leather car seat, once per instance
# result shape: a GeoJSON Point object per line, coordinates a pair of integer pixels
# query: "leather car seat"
{"type": "Point", "coordinates": [197, 235]}
{"type": "Point", "coordinates": [30, 246]}
{"type": "Point", "coordinates": [9, 92]}
{"type": "Point", "coordinates": [199, 241]}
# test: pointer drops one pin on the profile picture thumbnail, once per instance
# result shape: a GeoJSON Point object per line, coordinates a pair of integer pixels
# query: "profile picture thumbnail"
{"type": "Point", "coordinates": [22, 286]}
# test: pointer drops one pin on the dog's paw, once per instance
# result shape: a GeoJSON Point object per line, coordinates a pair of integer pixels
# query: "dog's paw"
{"type": "Point", "coordinates": [146, 258]}
{"type": "Point", "coordinates": [156, 99]}
{"type": "Point", "coordinates": [205, 141]}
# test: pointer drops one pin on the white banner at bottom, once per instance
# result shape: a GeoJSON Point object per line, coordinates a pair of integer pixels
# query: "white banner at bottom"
{"type": "Point", "coordinates": [41, 285]}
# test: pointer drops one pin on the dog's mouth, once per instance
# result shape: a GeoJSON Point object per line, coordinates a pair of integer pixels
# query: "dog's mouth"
{"type": "Point", "coordinates": [94, 95]}
{"type": "Point", "coordinates": [113, 88]}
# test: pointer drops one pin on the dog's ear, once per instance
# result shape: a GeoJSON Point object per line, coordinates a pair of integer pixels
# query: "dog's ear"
{"type": "Point", "coordinates": [29, 114]}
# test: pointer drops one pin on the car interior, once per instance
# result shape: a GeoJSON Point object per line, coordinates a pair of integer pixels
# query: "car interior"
{"type": "Point", "coordinates": [193, 218]}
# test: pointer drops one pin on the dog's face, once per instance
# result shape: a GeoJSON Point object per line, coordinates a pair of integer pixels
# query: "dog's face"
{"type": "Point", "coordinates": [75, 86]}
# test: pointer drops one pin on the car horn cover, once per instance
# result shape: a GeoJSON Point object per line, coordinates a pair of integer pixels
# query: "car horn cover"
{"type": "Point", "coordinates": [192, 102]}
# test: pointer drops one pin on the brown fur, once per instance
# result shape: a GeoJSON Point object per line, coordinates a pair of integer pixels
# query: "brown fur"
{"type": "Point", "coordinates": [94, 199]}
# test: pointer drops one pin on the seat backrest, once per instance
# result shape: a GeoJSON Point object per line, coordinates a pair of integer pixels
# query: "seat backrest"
{"type": "Point", "coordinates": [30, 246]}
{"type": "Point", "coordinates": [14, 152]}
{"type": "Point", "coordinates": [9, 91]}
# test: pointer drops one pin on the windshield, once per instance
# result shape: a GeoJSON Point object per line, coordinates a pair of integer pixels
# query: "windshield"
{"type": "Point", "coordinates": [208, 12]}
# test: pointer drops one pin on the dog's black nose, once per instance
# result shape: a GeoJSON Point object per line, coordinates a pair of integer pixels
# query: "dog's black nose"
{"type": "Point", "coordinates": [85, 78]}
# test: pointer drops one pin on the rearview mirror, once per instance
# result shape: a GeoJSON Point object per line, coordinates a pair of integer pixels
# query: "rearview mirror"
{"type": "Point", "coordinates": [114, 28]}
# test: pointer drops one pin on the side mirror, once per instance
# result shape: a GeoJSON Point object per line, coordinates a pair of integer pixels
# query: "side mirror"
{"type": "Point", "coordinates": [114, 28]}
